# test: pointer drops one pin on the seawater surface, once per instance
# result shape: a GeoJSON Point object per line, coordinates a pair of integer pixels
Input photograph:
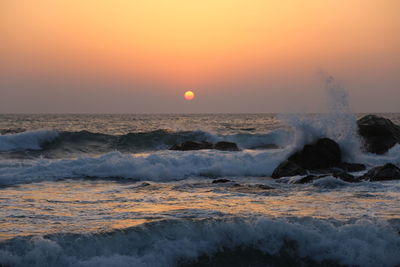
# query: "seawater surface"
{"type": "Point", "coordinates": [104, 190]}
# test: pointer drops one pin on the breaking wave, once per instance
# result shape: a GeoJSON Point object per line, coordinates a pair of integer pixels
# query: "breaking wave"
{"type": "Point", "coordinates": [52, 143]}
{"type": "Point", "coordinates": [163, 166]}
{"type": "Point", "coordinates": [238, 242]}
{"type": "Point", "coordinates": [31, 140]}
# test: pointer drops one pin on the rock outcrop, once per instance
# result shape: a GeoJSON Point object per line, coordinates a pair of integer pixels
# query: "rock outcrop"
{"type": "Point", "coordinates": [288, 168]}
{"type": "Point", "coordinates": [379, 134]}
{"type": "Point", "coordinates": [386, 172]}
{"type": "Point", "coordinates": [325, 153]}
{"type": "Point", "coordinates": [322, 157]}
{"type": "Point", "coordinates": [226, 146]}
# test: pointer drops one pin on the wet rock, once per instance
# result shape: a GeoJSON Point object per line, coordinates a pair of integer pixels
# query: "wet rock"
{"type": "Point", "coordinates": [251, 188]}
{"type": "Point", "coordinates": [320, 158]}
{"type": "Point", "coordinates": [339, 175]}
{"type": "Point", "coordinates": [221, 181]}
{"type": "Point", "coordinates": [379, 134]}
{"type": "Point", "coordinates": [325, 153]}
{"type": "Point", "coordinates": [288, 168]}
{"type": "Point", "coordinates": [308, 179]}
{"type": "Point", "coordinates": [191, 145]}
{"type": "Point", "coordinates": [346, 177]}
{"type": "Point", "coordinates": [386, 172]}
{"type": "Point", "coordinates": [226, 146]}
{"type": "Point", "coordinates": [263, 186]}
{"type": "Point", "coordinates": [351, 167]}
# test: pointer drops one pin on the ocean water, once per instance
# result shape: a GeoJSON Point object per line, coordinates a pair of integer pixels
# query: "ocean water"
{"type": "Point", "coordinates": [104, 190]}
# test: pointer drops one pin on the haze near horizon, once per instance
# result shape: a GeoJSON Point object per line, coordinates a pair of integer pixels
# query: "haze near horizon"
{"type": "Point", "coordinates": [236, 56]}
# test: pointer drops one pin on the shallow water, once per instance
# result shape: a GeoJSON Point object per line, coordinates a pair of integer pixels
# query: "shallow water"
{"type": "Point", "coordinates": [115, 195]}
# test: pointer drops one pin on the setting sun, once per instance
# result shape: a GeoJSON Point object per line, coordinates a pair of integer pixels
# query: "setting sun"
{"type": "Point", "coordinates": [189, 95]}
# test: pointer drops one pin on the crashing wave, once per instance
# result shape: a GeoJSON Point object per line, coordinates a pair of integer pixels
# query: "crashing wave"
{"type": "Point", "coordinates": [31, 140]}
{"type": "Point", "coordinates": [164, 166]}
{"type": "Point", "coordinates": [262, 241]}
{"type": "Point", "coordinates": [50, 142]}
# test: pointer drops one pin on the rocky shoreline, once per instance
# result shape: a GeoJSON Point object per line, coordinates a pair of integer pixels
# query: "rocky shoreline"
{"type": "Point", "coordinates": [324, 156]}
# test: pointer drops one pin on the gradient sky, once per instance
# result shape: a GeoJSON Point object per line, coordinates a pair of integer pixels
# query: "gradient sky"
{"type": "Point", "coordinates": [131, 56]}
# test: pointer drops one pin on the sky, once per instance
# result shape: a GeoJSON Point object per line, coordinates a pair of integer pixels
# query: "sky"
{"type": "Point", "coordinates": [237, 56]}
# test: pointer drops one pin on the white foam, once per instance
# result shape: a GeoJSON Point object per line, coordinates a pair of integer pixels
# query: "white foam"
{"type": "Point", "coordinates": [338, 123]}
{"type": "Point", "coordinates": [281, 138]}
{"type": "Point", "coordinates": [26, 140]}
{"type": "Point", "coordinates": [361, 243]}
{"type": "Point", "coordinates": [162, 166]}
{"type": "Point", "coordinates": [392, 156]}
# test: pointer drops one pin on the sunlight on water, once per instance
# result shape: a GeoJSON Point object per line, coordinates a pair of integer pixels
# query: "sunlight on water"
{"type": "Point", "coordinates": [78, 206]}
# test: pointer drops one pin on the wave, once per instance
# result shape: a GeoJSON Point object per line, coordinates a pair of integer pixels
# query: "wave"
{"type": "Point", "coordinates": [52, 143]}
{"type": "Point", "coordinates": [162, 166]}
{"type": "Point", "coordinates": [158, 166]}
{"type": "Point", "coordinates": [31, 140]}
{"type": "Point", "coordinates": [243, 242]}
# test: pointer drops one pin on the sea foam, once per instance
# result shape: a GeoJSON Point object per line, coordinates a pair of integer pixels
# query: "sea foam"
{"type": "Point", "coordinates": [173, 243]}
{"type": "Point", "coordinates": [31, 140]}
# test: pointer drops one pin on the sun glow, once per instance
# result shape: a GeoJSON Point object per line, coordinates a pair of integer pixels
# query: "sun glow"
{"type": "Point", "coordinates": [189, 95]}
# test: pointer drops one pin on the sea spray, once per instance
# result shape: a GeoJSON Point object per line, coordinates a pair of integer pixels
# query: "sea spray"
{"type": "Point", "coordinates": [31, 140]}
{"type": "Point", "coordinates": [338, 122]}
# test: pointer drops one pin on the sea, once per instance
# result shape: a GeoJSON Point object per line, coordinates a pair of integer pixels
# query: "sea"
{"type": "Point", "coordinates": [105, 190]}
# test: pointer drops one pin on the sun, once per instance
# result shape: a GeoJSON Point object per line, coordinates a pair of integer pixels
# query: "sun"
{"type": "Point", "coordinates": [189, 95]}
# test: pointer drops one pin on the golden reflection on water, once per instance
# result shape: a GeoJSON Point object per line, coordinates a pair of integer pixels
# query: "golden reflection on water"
{"type": "Point", "coordinates": [91, 206]}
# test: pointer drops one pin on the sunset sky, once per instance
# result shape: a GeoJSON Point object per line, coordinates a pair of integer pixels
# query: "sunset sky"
{"type": "Point", "coordinates": [131, 56]}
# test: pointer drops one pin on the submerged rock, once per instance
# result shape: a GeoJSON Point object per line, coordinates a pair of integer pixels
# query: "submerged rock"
{"type": "Point", "coordinates": [308, 179]}
{"type": "Point", "coordinates": [226, 146]}
{"type": "Point", "coordinates": [251, 188]}
{"type": "Point", "coordinates": [344, 176]}
{"type": "Point", "coordinates": [221, 181]}
{"type": "Point", "coordinates": [386, 172]}
{"type": "Point", "coordinates": [379, 134]}
{"type": "Point", "coordinates": [339, 175]}
{"type": "Point", "coordinates": [192, 145]}
{"type": "Point", "coordinates": [266, 146]}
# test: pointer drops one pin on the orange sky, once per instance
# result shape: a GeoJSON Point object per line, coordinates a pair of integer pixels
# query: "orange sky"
{"type": "Point", "coordinates": [215, 47]}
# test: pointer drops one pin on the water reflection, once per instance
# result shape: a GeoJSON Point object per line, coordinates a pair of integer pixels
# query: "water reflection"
{"type": "Point", "coordinates": [82, 206]}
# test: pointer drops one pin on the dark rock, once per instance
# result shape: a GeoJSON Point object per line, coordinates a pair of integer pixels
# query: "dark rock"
{"type": "Point", "coordinates": [191, 145]}
{"type": "Point", "coordinates": [386, 172]}
{"type": "Point", "coordinates": [308, 179]}
{"type": "Point", "coordinates": [351, 167]}
{"type": "Point", "coordinates": [288, 168]}
{"type": "Point", "coordinates": [340, 175]}
{"type": "Point", "coordinates": [379, 134]}
{"type": "Point", "coordinates": [226, 146]}
{"type": "Point", "coordinates": [320, 158]}
{"type": "Point", "coordinates": [264, 187]}
{"type": "Point", "coordinates": [325, 153]}
{"type": "Point", "coordinates": [251, 189]}
{"type": "Point", "coordinates": [220, 181]}
{"type": "Point", "coordinates": [346, 177]}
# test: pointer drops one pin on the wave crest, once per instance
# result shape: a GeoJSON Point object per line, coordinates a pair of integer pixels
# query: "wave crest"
{"type": "Point", "coordinates": [179, 243]}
